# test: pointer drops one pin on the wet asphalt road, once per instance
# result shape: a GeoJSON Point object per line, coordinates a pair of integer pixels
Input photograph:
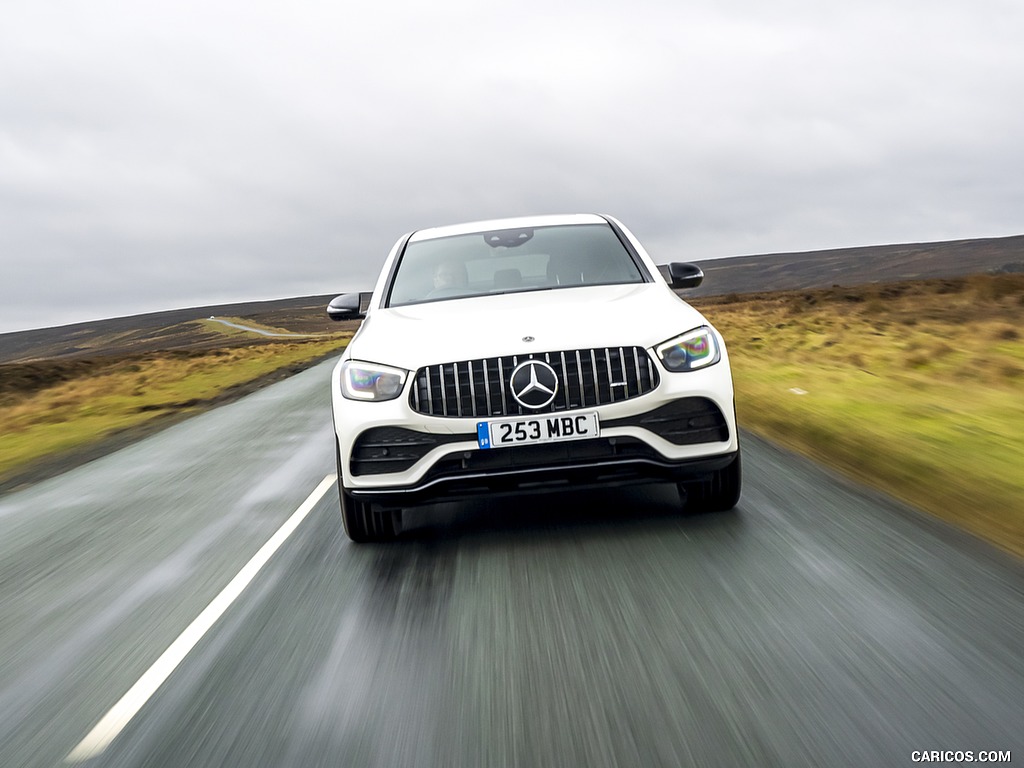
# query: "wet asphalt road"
{"type": "Point", "coordinates": [817, 624]}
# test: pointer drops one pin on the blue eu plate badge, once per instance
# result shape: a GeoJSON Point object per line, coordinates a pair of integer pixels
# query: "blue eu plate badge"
{"type": "Point", "coordinates": [483, 434]}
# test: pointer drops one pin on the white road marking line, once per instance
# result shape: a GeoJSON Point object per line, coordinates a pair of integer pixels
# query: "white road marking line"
{"type": "Point", "coordinates": [121, 714]}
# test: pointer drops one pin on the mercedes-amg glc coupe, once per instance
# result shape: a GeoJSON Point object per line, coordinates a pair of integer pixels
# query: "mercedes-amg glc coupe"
{"type": "Point", "coordinates": [525, 355]}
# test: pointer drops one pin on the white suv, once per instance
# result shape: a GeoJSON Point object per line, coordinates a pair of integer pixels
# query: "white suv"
{"type": "Point", "coordinates": [528, 354]}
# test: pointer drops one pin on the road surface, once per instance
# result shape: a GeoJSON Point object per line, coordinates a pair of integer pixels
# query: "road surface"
{"type": "Point", "coordinates": [817, 624]}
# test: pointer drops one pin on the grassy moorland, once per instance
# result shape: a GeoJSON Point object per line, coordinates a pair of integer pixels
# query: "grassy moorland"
{"type": "Point", "coordinates": [913, 388]}
{"type": "Point", "coordinates": [51, 408]}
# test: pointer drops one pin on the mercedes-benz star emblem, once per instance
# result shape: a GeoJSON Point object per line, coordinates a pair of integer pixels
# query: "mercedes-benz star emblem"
{"type": "Point", "coordinates": [534, 384]}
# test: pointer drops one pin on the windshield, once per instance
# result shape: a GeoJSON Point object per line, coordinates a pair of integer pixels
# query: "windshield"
{"type": "Point", "coordinates": [508, 260]}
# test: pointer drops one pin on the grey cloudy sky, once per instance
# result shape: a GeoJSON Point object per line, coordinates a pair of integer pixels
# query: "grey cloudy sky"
{"type": "Point", "coordinates": [166, 154]}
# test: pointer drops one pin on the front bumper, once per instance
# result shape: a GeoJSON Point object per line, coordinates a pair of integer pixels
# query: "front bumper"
{"type": "Point", "coordinates": [391, 450]}
{"type": "Point", "coordinates": [682, 430]}
{"type": "Point", "coordinates": [682, 440]}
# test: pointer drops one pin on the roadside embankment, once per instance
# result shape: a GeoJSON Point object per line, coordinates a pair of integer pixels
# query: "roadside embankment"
{"type": "Point", "coordinates": [55, 414]}
{"type": "Point", "coordinates": [916, 389]}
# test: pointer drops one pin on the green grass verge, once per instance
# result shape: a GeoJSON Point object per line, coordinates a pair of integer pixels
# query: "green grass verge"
{"type": "Point", "coordinates": [65, 415]}
{"type": "Point", "coordinates": [917, 390]}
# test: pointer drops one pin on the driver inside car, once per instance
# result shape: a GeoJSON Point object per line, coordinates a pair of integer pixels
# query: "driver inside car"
{"type": "Point", "coordinates": [449, 275]}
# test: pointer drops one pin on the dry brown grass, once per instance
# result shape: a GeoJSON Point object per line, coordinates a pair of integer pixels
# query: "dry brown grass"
{"type": "Point", "coordinates": [914, 388]}
{"type": "Point", "coordinates": [48, 408]}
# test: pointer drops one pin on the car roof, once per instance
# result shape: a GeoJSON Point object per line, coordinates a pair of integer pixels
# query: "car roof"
{"type": "Point", "coordinates": [520, 222]}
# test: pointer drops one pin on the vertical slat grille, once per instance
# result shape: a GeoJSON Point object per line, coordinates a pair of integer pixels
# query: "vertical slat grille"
{"type": "Point", "coordinates": [586, 378]}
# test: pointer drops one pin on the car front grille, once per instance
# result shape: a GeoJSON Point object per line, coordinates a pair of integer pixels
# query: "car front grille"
{"type": "Point", "coordinates": [481, 388]}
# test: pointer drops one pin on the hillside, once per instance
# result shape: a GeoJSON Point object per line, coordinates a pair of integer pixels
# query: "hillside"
{"type": "Point", "coordinates": [178, 329]}
{"type": "Point", "coordinates": [857, 266]}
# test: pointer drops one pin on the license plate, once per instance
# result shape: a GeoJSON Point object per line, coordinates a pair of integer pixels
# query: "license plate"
{"type": "Point", "coordinates": [537, 429]}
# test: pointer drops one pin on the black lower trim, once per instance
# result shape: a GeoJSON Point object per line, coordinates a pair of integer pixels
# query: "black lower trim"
{"type": "Point", "coordinates": [686, 421]}
{"type": "Point", "coordinates": [447, 481]}
{"type": "Point", "coordinates": [384, 450]}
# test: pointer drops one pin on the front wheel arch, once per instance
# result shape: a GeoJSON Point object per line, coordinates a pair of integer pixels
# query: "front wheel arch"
{"type": "Point", "coordinates": [718, 492]}
{"type": "Point", "coordinates": [364, 521]}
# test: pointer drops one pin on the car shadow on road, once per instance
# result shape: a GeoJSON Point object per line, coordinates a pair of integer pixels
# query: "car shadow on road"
{"type": "Point", "coordinates": [617, 512]}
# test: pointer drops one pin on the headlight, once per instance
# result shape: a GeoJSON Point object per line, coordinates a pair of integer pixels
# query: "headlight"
{"type": "Point", "coordinates": [694, 349]}
{"type": "Point", "coordinates": [369, 381]}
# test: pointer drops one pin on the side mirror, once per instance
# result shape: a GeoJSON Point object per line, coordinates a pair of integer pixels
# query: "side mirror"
{"type": "Point", "coordinates": [345, 307]}
{"type": "Point", "coordinates": [681, 275]}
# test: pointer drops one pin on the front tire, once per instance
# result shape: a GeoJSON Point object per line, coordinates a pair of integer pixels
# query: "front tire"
{"type": "Point", "coordinates": [719, 492]}
{"type": "Point", "coordinates": [363, 522]}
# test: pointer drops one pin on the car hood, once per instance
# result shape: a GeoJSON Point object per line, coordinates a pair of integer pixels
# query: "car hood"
{"type": "Point", "coordinates": [497, 325]}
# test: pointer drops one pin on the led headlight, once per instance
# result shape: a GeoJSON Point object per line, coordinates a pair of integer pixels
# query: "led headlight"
{"type": "Point", "coordinates": [694, 349]}
{"type": "Point", "coordinates": [369, 381]}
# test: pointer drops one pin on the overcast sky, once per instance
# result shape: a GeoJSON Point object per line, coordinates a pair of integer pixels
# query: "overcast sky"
{"type": "Point", "coordinates": [159, 155]}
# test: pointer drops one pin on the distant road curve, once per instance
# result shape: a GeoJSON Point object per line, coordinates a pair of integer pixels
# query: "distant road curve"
{"type": "Point", "coordinates": [262, 332]}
